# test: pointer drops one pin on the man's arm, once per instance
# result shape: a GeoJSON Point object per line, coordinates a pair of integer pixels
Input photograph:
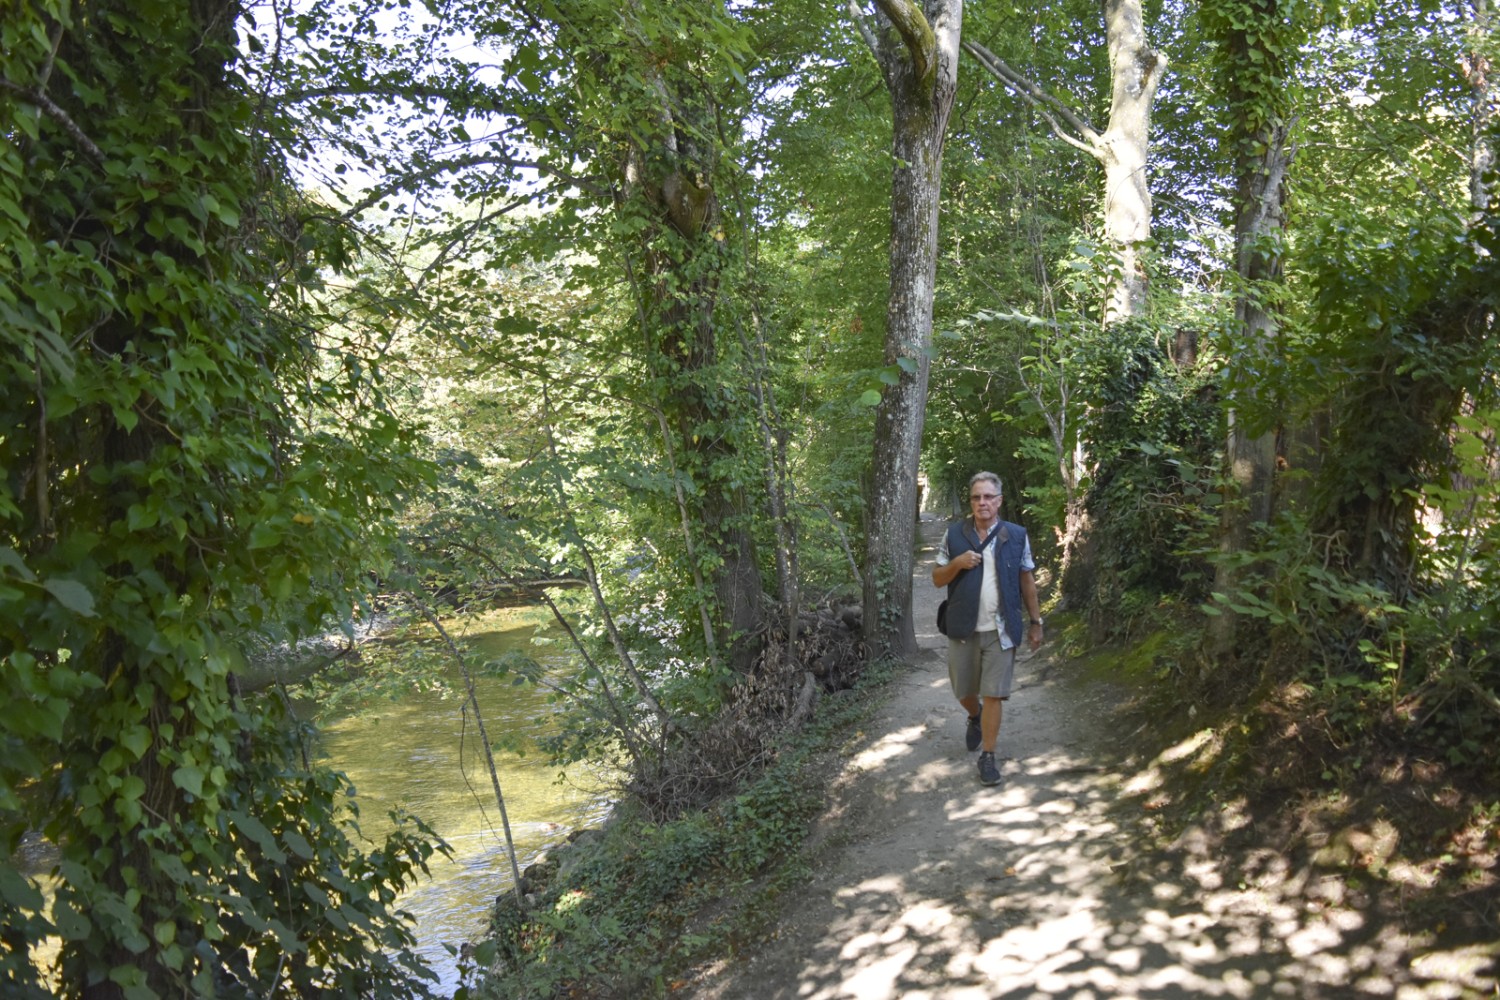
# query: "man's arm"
{"type": "Point", "coordinates": [943, 573]}
{"type": "Point", "coordinates": [1033, 608]}
{"type": "Point", "coordinates": [1029, 598]}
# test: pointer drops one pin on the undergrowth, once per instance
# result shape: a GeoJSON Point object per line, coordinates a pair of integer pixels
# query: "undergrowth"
{"type": "Point", "coordinates": [625, 913]}
{"type": "Point", "coordinates": [1285, 764]}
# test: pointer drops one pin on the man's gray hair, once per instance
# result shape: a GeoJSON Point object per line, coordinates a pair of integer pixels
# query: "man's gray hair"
{"type": "Point", "coordinates": [989, 477]}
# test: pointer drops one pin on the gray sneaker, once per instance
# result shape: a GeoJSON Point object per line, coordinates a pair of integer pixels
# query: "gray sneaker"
{"type": "Point", "coordinates": [989, 774]}
{"type": "Point", "coordinates": [972, 736]}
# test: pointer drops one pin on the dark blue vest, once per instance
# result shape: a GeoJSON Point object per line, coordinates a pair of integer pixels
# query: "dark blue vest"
{"type": "Point", "coordinates": [963, 591]}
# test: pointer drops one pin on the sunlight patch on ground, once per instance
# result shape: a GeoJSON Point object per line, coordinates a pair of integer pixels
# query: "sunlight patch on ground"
{"type": "Point", "coordinates": [880, 979]}
{"type": "Point", "coordinates": [1205, 743]}
{"type": "Point", "coordinates": [1186, 748]}
{"type": "Point", "coordinates": [1148, 780]}
{"type": "Point", "coordinates": [888, 747]}
{"type": "Point", "coordinates": [1461, 965]}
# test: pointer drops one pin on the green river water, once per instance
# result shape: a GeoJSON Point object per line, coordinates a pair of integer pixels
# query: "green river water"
{"type": "Point", "coordinates": [419, 753]}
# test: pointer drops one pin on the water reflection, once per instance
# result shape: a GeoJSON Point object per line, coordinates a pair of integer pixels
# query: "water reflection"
{"type": "Point", "coordinates": [422, 753]}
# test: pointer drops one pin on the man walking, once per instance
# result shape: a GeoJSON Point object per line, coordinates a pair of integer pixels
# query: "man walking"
{"type": "Point", "coordinates": [986, 565]}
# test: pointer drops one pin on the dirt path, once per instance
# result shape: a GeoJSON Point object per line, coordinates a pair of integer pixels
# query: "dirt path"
{"type": "Point", "coordinates": [928, 884]}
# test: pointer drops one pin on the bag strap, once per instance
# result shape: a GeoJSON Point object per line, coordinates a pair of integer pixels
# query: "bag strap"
{"type": "Point", "coordinates": [987, 538]}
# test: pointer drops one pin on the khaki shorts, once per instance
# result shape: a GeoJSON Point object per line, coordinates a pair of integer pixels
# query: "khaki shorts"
{"type": "Point", "coordinates": [978, 666]}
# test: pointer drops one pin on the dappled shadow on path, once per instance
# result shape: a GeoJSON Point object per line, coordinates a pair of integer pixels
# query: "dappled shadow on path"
{"type": "Point", "coordinates": [930, 885]}
{"type": "Point", "coordinates": [1034, 889]}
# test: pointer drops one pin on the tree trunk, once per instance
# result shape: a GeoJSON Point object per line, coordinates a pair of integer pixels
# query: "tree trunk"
{"type": "Point", "coordinates": [670, 170]}
{"type": "Point", "coordinates": [1135, 71]}
{"type": "Point", "coordinates": [1260, 106]}
{"type": "Point", "coordinates": [917, 50]}
{"type": "Point", "coordinates": [1251, 452]}
{"type": "Point", "coordinates": [1121, 150]}
{"type": "Point", "coordinates": [1479, 71]}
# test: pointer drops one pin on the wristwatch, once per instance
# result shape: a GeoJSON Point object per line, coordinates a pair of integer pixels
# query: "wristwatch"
{"type": "Point", "coordinates": [1036, 621]}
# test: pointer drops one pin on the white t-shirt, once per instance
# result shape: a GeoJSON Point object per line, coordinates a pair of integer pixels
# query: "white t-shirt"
{"type": "Point", "coordinates": [989, 597]}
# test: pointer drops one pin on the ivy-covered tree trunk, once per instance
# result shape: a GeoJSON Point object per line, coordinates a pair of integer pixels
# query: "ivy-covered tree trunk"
{"type": "Point", "coordinates": [917, 47]}
{"type": "Point", "coordinates": [1255, 37]}
{"type": "Point", "coordinates": [1260, 224]}
{"type": "Point", "coordinates": [1431, 366]}
{"type": "Point", "coordinates": [671, 173]}
{"type": "Point", "coordinates": [160, 501]}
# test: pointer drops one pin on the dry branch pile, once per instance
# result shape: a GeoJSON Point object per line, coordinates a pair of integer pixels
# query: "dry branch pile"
{"type": "Point", "coordinates": [776, 697]}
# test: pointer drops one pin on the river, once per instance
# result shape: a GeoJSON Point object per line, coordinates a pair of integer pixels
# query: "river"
{"type": "Point", "coordinates": [418, 752]}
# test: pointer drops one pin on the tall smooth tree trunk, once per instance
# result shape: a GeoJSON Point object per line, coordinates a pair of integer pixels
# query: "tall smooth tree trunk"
{"type": "Point", "coordinates": [1121, 150]}
{"type": "Point", "coordinates": [916, 46]}
{"type": "Point", "coordinates": [1135, 72]}
{"type": "Point", "coordinates": [1480, 72]}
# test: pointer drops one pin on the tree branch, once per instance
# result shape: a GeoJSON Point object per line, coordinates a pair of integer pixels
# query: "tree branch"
{"type": "Point", "coordinates": [912, 26]}
{"type": "Point", "coordinates": [412, 92]}
{"type": "Point", "coordinates": [57, 114]}
{"type": "Point", "coordinates": [1091, 141]}
{"type": "Point", "coordinates": [621, 718]}
{"type": "Point", "coordinates": [863, 27]}
{"type": "Point", "coordinates": [472, 697]}
{"type": "Point", "coordinates": [410, 180]}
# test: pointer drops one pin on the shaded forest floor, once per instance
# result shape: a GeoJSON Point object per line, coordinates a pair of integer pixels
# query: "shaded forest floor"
{"type": "Point", "coordinates": [1113, 861]}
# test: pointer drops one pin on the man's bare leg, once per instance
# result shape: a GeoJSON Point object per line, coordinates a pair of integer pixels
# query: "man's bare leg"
{"type": "Point", "coordinates": [989, 722]}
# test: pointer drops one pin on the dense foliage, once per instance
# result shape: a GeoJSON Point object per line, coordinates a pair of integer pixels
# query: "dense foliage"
{"type": "Point", "coordinates": [471, 299]}
{"type": "Point", "coordinates": [188, 462]}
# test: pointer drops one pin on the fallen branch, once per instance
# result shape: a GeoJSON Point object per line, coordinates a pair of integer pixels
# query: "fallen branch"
{"type": "Point", "coordinates": [484, 738]}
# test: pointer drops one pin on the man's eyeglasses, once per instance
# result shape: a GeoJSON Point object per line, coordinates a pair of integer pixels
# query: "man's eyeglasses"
{"type": "Point", "coordinates": [976, 497]}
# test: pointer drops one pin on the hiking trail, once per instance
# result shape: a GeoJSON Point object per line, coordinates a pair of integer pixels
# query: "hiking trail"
{"type": "Point", "coordinates": [927, 884]}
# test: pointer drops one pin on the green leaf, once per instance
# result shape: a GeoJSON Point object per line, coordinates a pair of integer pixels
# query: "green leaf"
{"type": "Point", "coordinates": [297, 843]}
{"type": "Point", "coordinates": [172, 867]}
{"type": "Point", "coordinates": [264, 535]}
{"type": "Point", "coordinates": [189, 778]}
{"type": "Point", "coordinates": [72, 595]}
{"type": "Point", "coordinates": [256, 831]}
{"type": "Point", "coordinates": [870, 397]}
{"type": "Point", "coordinates": [10, 559]}
{"type": "Point", "coordinates": [17, 891]}
{"type": "Point", "coordinates": [71, 924]}
{"type": "Point", "coordinates": [136, 739]}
